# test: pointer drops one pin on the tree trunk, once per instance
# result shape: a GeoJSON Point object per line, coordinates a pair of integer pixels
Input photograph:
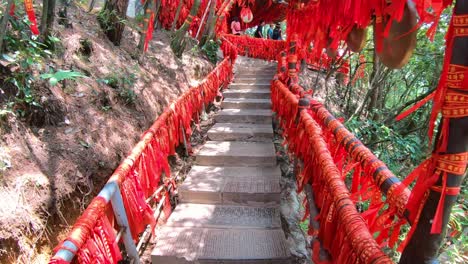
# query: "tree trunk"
{"type": "Point", "coordinates": [424, 245]}
{"type": "Point", "coordinates": [178, 41]}
{"type": "Point", "coordinates": [63, 15]}
{"type": "Point", "coordinates": [144, 29]}
{"type": "Point", "coordinates": [154, 9]}
{"type": "Point", "coordinates": [4, 23]}
{"type": "Point", "coordinates": [91, 5]}
{"type": "Point", "coordinates": [111, 19]}
{"type": "Point", "coordinates": [48, 16]}
{"type": "Point", "coordinates": [176, 17]}
{"type": "Point", "coordinates": [210, 25]}
{"type": "Point", "coordinates": [156, 12]}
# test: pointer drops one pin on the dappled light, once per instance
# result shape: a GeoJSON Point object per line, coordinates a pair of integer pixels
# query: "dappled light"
{"type": "Point", "coordinates": [233, 131]}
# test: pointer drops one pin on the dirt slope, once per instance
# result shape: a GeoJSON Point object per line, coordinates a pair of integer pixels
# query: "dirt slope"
{"type": "Point", "coordinates": [57, 161]}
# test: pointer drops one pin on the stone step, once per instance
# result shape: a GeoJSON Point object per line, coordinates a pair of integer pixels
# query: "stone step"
{"type": "Point", "coordinates": [224, 216]}
{"type": "Point", "coordinates": [230, 103]}
{"type": "Point", "coordinates": [256, 70]}
{"type": "Point", "coordinates": [256, 67]}
{"type": "Point", "coordinates": [259, 116]}
{"type": "Point", "coordinates": [243, 79]}
{"type": "Point", "coordinates": [268, 76]}
{"type": "Point", "coordinates": [182, 245]}
{"type": "Point", "coordinates": [241, 132]}
{"type": "Point", "coordinates": [246, 85]}
{"type": "Point", "coordinates": [253, 186]}
{"type": "Point", "coordinates": [234, 153]}
{"type": "Point", "coordinates": [247, 93]}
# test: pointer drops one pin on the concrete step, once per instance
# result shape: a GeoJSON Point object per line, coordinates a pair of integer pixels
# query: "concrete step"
{"type": "Point", "coordinates": [234, 153]}
{"type": "Point", "coordinates": [253, 186]}
{"type": "Point", "coordinates": [243, 79]}
{"type": "Point", "coordinates": [230, 103]}
{"type": "Point", "coordinates": [247, 93]}
{"type": "Point", "coordinates": [259, 116]}
{"type": "Point", "coordinates": [224, 216]}
{"type": "Point", "coordinates": [182, 245]}
{"type": "Point", "coordinates": [252, 86]}
{"type": "Point", "coordinates": [268, 76]}
{"type": "Point", "coordinates": [257, 70]}
{"type": "Point", "coordinates": [241, 132]}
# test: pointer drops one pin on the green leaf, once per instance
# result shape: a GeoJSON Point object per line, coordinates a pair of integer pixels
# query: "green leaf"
{"type": "Point", "coordinates": [53, 81]}
{"type": "Point", "coordinates": [54, 39]}
{"type": "Point", "coordinates": [55, 78]}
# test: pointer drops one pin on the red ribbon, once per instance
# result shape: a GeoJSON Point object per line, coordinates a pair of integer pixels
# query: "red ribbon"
{"type": "Point", "coordinates": [149, 32]}
{"type": "Point", "coordinates": [28, 5]}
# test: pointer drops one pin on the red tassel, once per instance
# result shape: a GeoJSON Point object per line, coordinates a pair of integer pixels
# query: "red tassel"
{"type": "Point", "coordinates": [12, 9]}
{"type": "Point", "coordinates": [28, 5]}
{"type": "Point", "coordinates": [395, 234]}
{"type": "Point", "coordinates": [356, 179]}
{"type": "Point", "coordinates": [415, 107]}
{"type": "Point", "coordinates": [149, 32]}
{"type": "Point", "coordinates": [438, 217]}
{"type": "Point", "coordinates": [102, 246]}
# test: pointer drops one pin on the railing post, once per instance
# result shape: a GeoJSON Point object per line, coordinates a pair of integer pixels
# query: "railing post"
{"type": "Point", "coordinates": [65, 253]}
{"type": "Point", "coordinates": [292, 60]}
{"type": "Point", "coordinates": [110, 192]}
{"type": "Point", "coordinates": [185, 139]}
{"type": "Point", "coordinates": [122, 221]}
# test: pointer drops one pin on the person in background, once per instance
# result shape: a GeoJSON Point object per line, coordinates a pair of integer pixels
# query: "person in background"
{"type": "Point", "coordinates": [236, 26]}
{"type": "Point", "coordinates": [259, 31]}
{"type": "Point", "coordinates": [270, 31]}
{"type": "Point", "coordinates": [277, 32]}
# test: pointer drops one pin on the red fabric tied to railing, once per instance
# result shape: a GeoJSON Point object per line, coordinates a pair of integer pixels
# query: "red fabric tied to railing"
{"type": "Point", "coordinates": [141, 173]}
{"type": "Point", "coordinates": [369, 173]}
{"type": "Point", "coordinates": [266, 49]}
{"type": "Point", "coordinates": [102, 246]}
{"type": "Point", "coordinates": [343, 231]}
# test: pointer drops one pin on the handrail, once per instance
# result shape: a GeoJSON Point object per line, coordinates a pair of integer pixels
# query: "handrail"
{"type": "Point", "coordinates": [259, 48]}
{"type": "Point", "coordinates": [157, 142]}
{"type": "Point", "coordinates": [397, 193]}
{"type": "Point", "coordinates": [343, 231]}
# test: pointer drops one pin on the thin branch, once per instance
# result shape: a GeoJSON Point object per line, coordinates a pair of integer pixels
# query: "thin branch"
{"type": "Point", "coordinates": [401, 108]}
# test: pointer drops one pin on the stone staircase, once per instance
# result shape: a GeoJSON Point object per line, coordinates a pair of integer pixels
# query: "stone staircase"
{"type": "Point", "coordinates": [229, 210]}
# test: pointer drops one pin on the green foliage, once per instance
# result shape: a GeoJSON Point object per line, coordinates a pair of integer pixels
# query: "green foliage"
{"type": "Point", "coordinates": [123, 85]}
{"type": "Point", "coordinates": [400, 152]}
{"type": "Point", "coordinates": [210, 49]}
{"type": "Point", "coordinates": [23, 59]}
{"type": "Point", "coordinates": [55, 78]}
{"type": "Point", "coordinates": [455, 249]}
{"type": "Point", "coordinates": [304, 225]}
{"type": "Point", "coordinates": [404, 144]}
{"type": "Point", "coordinates": [107, 19]}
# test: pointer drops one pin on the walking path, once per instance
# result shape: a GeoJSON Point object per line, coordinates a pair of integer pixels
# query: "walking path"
{"type": "Point", "coordinates": [229, 210]}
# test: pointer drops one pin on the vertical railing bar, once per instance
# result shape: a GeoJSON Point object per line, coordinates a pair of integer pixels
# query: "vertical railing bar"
{"type": "Point", "coordinates": [143, 237]}
{"type": "Point", "coordinates": [119, 234]}
{"type": "Point", "coordinates": [122, 220]}
{"type": "Point", "coordinates": [65, 253]}
{"type": "Point", "coordinates": [155, 193]}
{"type": "Point", "coordinates": [157, 212]}
{"type": "Point", "coordinates": [185, 140]}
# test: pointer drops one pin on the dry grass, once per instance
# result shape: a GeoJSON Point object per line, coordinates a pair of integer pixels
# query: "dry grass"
{"type": "Point", "coordinates": [56, 167]}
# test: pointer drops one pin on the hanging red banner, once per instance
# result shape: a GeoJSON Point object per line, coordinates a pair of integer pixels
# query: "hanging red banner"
{"type": "Point", "coordinates": [149, 33]}
{"type": "Point", "coordinates": [28, 5]}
